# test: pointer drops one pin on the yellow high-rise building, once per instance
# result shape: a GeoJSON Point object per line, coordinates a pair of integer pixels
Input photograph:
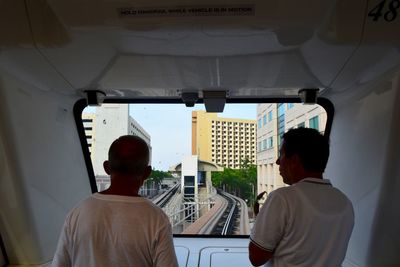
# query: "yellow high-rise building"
{"type": "Point", "coordinates": [223, 141]}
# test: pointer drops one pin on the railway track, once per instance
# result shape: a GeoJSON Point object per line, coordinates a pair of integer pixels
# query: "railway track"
{"type": "Point", "coordinates": [229, 217]}
{"type": "Point", "coordinates": [163, 200]}
{"type": "Point", "coordinates": [228, 221]}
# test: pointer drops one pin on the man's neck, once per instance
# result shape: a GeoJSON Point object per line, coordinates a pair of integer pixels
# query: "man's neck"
{"type": "Point", "coordinates": [119, 192]}
{"type": "Point", "coordinates": [123, 187]}
{"type": "Point", "coordinates": [305, 175]}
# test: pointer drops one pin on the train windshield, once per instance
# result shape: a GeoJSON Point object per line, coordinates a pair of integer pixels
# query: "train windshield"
{"type": "Point", "coordinates": [208, 168]}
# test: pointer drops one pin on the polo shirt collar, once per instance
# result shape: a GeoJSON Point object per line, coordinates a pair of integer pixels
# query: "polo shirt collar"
{"type": "Point", "coordinates": [316, 181]}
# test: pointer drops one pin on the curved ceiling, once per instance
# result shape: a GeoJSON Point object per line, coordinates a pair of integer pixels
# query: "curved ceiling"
{"type": "Point", "coordinates": [249, 48]}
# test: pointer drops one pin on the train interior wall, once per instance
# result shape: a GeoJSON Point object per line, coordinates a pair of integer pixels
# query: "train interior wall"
{"type": "Point", "coordinates": [364, 163]}
{"type": "Point", "coordinates": [43, 174]}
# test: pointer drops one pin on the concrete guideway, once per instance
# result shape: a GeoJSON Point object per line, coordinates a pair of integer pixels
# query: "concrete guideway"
{"type": "Point", "coordinates": [244, 228]}
{"type": "Point", "coordinates": [162, 199]}
{"type": "Point", "coordinates": [206, 223]}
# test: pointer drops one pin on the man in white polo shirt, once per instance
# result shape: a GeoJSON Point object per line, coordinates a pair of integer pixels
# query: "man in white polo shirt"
{"type": "Point", "coordinates": [118, 227]}
{"type": "Point", "coordinates": [308, 223]}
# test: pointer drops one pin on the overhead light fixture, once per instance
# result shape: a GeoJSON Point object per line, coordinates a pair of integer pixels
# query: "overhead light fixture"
{"type": "Point", "coordinates": [189, 98]}
{"type": "Point", "coordinates": [214, 100]}
{"type": "Point", "coordinates": [308, 96]}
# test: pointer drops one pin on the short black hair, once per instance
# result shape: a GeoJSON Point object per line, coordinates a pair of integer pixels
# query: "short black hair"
{"type": "Point", "coordinates": [128, 162]}
{"type": "Point", "coordinates": [311, 147]}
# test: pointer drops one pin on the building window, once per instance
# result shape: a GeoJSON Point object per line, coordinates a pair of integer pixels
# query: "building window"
{"type": "Point", "coordinates": [281, 122]}
{"type": "Point", "coordinates": [301, 125]}
{"type": "Point", "coordinates": [290, 105]}
{"type": "Point", "coordinates": [270, 115]}
{"type": "Point", "coordinates": [281, 109]}
{"type": "Point", "coordinates": [259, 123]}
{"type": "Point", "coordinates": [313, 123]}
{"type": "Point", "coordinates": [264, 144]}
{"type": "Point", "coordinates": [265, 119]}
{"type": "Point", "coordinates": [270, 142]}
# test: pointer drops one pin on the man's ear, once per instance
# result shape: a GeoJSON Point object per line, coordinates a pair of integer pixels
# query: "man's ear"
{"type": "Point", "coordinates": [297, 161]}
{"type": "Point", "coordinates": [146, 172]}
{"type": "Point", "coordinates": [106, 166]}
{"type": "Point", "coordinates": [296, 158]}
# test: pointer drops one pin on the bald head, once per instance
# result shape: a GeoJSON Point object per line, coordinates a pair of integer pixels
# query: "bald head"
{"type": "Point", "coordinates": [128, 155]}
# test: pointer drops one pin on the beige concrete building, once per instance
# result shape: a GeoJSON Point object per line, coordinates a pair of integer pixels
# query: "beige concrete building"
{"type": "Point", "coordinates": [272, 121]}
{"type": "Point", "coordinates": [223, 141]}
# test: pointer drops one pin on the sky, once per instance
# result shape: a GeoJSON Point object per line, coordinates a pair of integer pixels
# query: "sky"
{"type": "Point", "coordinates": [169, 126]}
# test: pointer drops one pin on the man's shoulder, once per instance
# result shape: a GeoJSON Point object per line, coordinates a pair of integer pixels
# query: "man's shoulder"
{"type": "Point", "coordinates": [148, 205]}
{"type": "Point", "coordinates": [283, 191]}
{"type": "Point", "coordinates": [80, 208]}
{"type": "Point", "coordinates": [125, 204]}
{"type": "Point", "coordinates": [154, 211]}
{"type": "Point", "coordinates": [341, 196]}
{"type": "Point", "coordinates": [99, 200]}
{"type": "Point", "coordinates": [151, 205]}
{"type": "Point", "coordinates": [280, 194]}
{"type": "Point", "coordinates": [82, 203]}
{"type": "Point", "coordinates": [286, 194]}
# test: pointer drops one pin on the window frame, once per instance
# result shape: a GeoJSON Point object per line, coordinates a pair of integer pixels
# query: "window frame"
{"type": "Point", "coordinates": [81, 104]}
{"type": "Point", "coordinates": [3, 252]}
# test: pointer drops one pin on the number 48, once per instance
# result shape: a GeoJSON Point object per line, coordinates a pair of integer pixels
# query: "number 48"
{"type": "Point", "coordinates": [390, 15]}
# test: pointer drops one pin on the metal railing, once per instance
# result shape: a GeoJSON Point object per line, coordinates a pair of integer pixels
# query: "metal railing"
{"type": "Point", "coordinates": [180, 209]}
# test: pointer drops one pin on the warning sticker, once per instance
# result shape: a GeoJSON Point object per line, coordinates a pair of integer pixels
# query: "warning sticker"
{"type": "Point", "coordinates": [194, 11]}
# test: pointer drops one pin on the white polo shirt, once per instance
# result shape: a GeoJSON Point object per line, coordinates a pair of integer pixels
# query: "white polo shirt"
{"type": "Point", "coordinates": [113, 230]}
{"type": "Point", "coordinates": [306, 224]}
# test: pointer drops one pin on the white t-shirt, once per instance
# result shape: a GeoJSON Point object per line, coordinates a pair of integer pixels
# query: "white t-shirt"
{"type": "Point", "coordinates": [306, 224]}
{"type": "Point", "coordinates": [111, 230]}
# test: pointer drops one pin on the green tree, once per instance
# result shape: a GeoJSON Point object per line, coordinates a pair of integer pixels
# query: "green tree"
{"type": "Point", "coordinates": [158, 176]}
{"type": "Point", "coordinates": [239, 182]}
{"type": "Point", "coordinates": [248, 180]}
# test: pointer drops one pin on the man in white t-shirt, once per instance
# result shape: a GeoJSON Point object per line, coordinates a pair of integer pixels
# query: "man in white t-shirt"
{"type": "Point", "coordinates": [308, 223]}
{"type": "Point", "coordinates": [117, 227]}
